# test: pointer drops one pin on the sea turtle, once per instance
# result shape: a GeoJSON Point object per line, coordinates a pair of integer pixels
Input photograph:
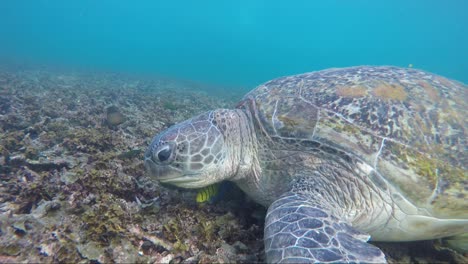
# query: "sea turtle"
{"type": "Point", "coordinates": [338, 156]}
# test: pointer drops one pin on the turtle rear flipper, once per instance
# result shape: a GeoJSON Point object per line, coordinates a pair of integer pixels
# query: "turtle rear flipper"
{"type": "Point", "coordinates": [297, 230]}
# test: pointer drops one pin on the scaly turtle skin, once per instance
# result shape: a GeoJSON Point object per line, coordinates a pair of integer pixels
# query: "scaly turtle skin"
{"type": "Point", "coordinates": [338, 156]}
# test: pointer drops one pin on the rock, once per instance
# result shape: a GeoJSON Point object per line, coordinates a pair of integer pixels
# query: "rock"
{"type": "Point", "coordinates": [91, 251]}
{"type": "Point", "coordinates": [192, 260]}
{"type": "Point", "coordinates": [20, 227]}
{"type": "Point", "coordinates": [69, 177]}
{"type": "Point", "coordinates": [44, 207]}
{"type": "Point", "coordinates": [239, 246]}
{"type": "Point", "coordinates": [226, 253]}
{"type": "Point", "coordinates": [166, 259]}
{"type": "Point", "coordinates": [124, 252]}
{"type": "Point", "coordinates": [47, 249]}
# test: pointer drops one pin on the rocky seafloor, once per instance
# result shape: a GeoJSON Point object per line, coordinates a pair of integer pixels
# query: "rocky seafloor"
{"type": "Point", "coordinates": [73, 187]}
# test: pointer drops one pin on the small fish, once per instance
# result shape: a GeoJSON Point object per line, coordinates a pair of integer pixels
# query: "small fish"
{"type": "Point", "coordinates": [208, 194]}
{"type": "Point", "coordinates": [217, 192]}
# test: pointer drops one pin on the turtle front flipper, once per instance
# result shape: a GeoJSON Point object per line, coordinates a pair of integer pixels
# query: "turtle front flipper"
{"type": "Point", "coordinates": [298, 230]}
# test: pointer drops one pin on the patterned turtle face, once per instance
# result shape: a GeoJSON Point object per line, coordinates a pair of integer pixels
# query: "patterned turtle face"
{"type": "Point", "coordinates": [189, 154]}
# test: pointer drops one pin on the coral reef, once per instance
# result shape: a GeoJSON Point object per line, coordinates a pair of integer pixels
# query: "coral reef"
{"type": "Point", "coordinates": [72, 181]}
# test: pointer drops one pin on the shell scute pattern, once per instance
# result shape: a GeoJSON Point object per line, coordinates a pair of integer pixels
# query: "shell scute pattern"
{"type": "Point", "coordinates": [409, 125]}
{"type": "Point", "coordinates": [333, 130]}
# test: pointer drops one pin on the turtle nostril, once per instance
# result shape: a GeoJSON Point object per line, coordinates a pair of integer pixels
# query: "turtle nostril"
{"type": "Point", "coordinates": [164, 154]}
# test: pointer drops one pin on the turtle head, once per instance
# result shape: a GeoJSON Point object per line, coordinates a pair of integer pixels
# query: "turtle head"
{"type": "Point", "coordinates": [197, 152]}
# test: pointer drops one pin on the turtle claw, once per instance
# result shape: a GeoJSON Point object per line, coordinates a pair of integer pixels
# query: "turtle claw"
{"type": "Point", "coordinates": [297, 230]}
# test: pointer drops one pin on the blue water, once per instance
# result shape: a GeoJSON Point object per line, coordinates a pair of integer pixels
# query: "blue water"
{"type": "Point", "coordinates": [236, 43]}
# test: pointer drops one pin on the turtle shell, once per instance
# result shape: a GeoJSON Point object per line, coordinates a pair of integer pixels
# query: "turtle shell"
{"type": "Point", "coordinates": [407, 124]}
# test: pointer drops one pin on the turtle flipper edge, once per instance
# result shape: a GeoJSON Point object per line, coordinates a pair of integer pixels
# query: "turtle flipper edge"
{"type": "Point", "coordinates": [298, 230]}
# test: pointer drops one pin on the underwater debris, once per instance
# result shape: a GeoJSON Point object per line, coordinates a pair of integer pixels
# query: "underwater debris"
{"type": "Point", "coordinates": [38, 165]}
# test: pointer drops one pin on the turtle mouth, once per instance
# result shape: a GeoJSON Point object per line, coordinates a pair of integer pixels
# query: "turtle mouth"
{"type": "Point", "coordinates": [177, 179]}
{"type": "Point", "coordinates": [169, 175]}
{"type": "Point", "coordinates": [189, 181]}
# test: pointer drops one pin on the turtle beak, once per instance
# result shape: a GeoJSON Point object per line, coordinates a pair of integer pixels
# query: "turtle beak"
{"type": "Point", "coordinates": [167, 175]}
{"type": "Point", "coordinates": [154, 170]}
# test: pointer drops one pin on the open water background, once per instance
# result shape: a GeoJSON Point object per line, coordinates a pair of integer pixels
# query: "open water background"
{"type": "Point", "coordinates": [235, 43]}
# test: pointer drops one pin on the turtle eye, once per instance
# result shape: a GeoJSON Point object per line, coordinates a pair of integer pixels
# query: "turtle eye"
{"type": "Point", "coordinates": [164, 153]}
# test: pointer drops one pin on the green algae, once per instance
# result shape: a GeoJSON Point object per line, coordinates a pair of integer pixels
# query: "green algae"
{"type": "Point", "coordinates": [88, 140]}
{"type": "Point", "coordinates": [106, 220]}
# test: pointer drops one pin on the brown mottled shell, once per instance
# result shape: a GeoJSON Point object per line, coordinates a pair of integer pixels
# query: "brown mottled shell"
{"type": "Point", "coordinates": [407, 124]}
